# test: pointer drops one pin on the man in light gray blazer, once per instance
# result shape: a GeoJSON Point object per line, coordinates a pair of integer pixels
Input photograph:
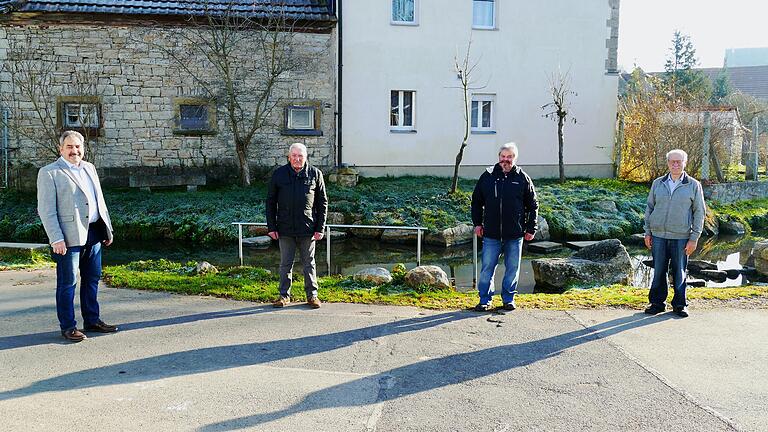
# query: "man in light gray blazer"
{"type": "Point", "coordinates": [75, 217]}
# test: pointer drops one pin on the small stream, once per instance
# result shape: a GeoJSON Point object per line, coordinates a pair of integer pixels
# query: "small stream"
{"type": "Point", "coordinates": [351, 255]}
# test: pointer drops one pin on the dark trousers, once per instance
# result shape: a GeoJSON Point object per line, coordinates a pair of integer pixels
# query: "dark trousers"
{"type": "Point", "coordinates": [87, 259]}
{"type": "Point", "coordinates": [668, 254]}
{"type": "Point", "coordinates": [306, 247]}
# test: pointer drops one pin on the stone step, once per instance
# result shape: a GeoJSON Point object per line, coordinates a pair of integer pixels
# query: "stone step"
{"type": "Point", "coordinates": [544, 247]}
{"type": "Point", "coordinates": [577, 245]}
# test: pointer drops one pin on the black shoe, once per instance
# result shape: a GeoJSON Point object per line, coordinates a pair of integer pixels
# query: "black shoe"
{"type": "Point", "coordinates": [100, 327]}
{"type": "Point", "coordinates": [682, 311]}
{"type": "Point", "coordinates": [483, 308]}
{"type": "Point", "coordinates": [509, 306]}
{"type": "Point", "coordinates": [654, 309]}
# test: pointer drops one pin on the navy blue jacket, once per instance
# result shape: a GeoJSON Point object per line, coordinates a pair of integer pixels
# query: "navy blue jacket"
{"type": "Point", "coordinates": [505, 205]}
{"type": "Point", "coordinates": [297, 205]}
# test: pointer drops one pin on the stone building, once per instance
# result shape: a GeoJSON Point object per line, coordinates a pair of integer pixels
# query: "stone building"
{"type": "Point", "coordinates": [128, 76]}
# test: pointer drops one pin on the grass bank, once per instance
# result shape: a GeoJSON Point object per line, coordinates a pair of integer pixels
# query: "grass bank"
{"type": "Point", "coordinates": [259, 285]}
{"type": "Point", "coordinates": [33, 260]}
{"type": "Point", "coordinates": [578, 209]}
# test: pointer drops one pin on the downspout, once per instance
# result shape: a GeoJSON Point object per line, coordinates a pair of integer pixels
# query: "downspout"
{"type": "Point", "coordinates": [5, 148]}
{"type": "Point", "coordinates": [339, 29]}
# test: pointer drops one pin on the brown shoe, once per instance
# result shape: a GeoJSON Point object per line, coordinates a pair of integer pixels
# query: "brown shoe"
{"type": "Point", "coordinates": [314, 303]}
{"type": "Point", "coordinates": [73, 335]}
{"type": "Point", "coordinates": [282, 302]}
{"type": "Point", "coordinates": [100, 327]}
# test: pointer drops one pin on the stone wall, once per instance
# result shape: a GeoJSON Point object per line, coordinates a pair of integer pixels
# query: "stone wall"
{"type": "Point", "coordinates": [731, 192]}
{"type": "Point", "coordinates": [137, 84]}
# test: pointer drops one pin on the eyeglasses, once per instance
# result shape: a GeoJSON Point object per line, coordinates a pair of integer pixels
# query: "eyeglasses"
{"type": "Point", "coordinates": [676, 162]}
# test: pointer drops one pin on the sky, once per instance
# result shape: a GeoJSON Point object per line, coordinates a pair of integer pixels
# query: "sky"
{"type": "Point", "coordinates": [646, 28]}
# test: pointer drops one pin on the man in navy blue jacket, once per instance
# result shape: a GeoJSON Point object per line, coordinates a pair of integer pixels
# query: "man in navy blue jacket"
{"type": "Point", "coordinates": [297, 207]}
{"type": "Point", "coordinates": [504, 212]}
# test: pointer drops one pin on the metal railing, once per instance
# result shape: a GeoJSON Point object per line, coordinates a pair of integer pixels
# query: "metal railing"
{"type": "Point", "coordinates": [328, 238]}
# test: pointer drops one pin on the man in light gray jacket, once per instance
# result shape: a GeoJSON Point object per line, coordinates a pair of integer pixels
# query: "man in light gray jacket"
{"type": "Point", "coordinates": [674, 219]}
{"type": "Point", "coordinates": [76, 220]}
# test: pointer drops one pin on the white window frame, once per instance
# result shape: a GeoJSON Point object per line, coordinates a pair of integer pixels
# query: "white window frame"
{"type": "Point", "coordinates": [483, 97]}
{"type": "Point", "coordinates": [415, 21]}
{"type": "Point", "coordinates": [291, 124]}
{"type": "Point", "coordinates": [81, 115]}
{"type": "Point", "coordinates": [400, 113]}
{"type": "Point", "coordinates": [495, 4]}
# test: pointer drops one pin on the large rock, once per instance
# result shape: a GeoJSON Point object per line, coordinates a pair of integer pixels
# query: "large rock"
{"type": "Point", "coordinates": [204, 267]}
{"type": "Point", "coordinates": [367, 233]}
{"type": "Point", "coordinates": [260, 241]}
{"type": "Point", "coordinates": [459, 234]}
{"type": "Point", "coordinates": [377, 275]}
{"type": "Point", "coordinates": [732, 227]}
{"type": "Point", "coordinates": [335, 218]}
{"type": "Point", "coordinates": [399, 236]}
{"type": "Point", "coordinates": [431, 276]}
{"type": "Point", "coordinates": [760, 253]}
{"type": "Point", "coordinates": [543, 232]}
{"type": "Point", "coordinates": [604, 263]}
{"type": "Point", "coordinates": [711, 224]}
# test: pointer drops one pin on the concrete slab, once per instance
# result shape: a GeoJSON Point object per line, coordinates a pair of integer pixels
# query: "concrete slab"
{"type": "Point", "coordinates": [576, 245]}
{"type": "Point", "coordinates": [544, 247]}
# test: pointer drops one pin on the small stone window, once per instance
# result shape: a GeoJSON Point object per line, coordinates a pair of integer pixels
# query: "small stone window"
{"type": "Point", "coordinates": [302, 120]}
{"type": "Point", "coordinates": [80, 113]}
{"type": "Point", "coordinates": [194, 116]}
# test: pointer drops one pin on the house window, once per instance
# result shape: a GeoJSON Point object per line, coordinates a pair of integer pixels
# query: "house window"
{"type": "Point", "coordinates": [302, 120]}
{"type": "Point", "coordinates": [194, 116]}
{"type": "Point", "coordinates": [483, 14]}
{"type": "Point", "coordinates": [404, 12]}
{"type": "Point", "coordinates": [482, 113]}
{"type": "Point", "coordinates": [401, 115]}
{"type": "Point", "coordinates": [80, 113]}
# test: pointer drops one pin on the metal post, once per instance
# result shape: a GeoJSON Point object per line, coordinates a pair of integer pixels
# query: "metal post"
{"type": "Point", "coordinates": [240, 242]}
{"type": "Point", "coordinates": [418, 247]}
{"type": "Point", "coordinates": [328, 247]}
{"type": "Point", "coordinates": [5, 148]}
{"type": "Point", "coordinates": [474, 260]}
{"type": "Point", "coordinates": [705, 146]}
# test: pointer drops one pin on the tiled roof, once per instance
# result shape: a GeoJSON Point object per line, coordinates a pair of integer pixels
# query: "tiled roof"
{"type": "Point", "coordinates": [751, 80]}
{"type": "Point", "coordinates": [314, 10]}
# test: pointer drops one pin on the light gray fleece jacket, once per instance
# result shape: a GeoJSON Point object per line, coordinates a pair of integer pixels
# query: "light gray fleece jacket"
{"type": "Point", "coordinates": [676, 215]}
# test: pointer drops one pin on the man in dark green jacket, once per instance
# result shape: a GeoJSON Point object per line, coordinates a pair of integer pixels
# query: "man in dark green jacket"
{"type": "Point", "coordinates": [297, 207]}
{"type": "Point", "coordinates": [674, 219]}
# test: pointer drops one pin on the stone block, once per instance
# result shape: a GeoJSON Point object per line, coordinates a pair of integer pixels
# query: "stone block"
{"type": "Point", "coordinates": [544, 247]}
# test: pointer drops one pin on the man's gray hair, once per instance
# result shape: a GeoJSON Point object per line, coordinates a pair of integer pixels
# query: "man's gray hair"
{"type": "Point", "coordinates": [70, 133]}
{"type": "Point", "coordinates": [678, 152]}
{"type": "Point", "coordinates": [509, 146]}
{"type": "Point", "coordinates": [299, 146]}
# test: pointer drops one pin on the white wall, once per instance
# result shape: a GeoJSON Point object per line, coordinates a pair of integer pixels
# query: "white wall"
{"type": "Point", "coordinates": [515, 60]}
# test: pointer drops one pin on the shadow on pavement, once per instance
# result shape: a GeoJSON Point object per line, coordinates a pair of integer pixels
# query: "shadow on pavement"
{"type": "Point", "coordinates": [444, 371]}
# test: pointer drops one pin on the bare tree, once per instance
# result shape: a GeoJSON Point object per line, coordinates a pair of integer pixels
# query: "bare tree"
{"type": "Point", "coordinates": [35, 115]}
{"type": "Point", "coordinates": [559, 110]}
{"type": "Point", "coordinates": [241, 63]}
{"type": "Point", "coordinates": [464, 68]}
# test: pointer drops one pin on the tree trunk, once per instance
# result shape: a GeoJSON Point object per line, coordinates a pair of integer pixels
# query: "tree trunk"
{"type": "Point", "coordinates": [459, 157]}
{"type": "Point", "coordinates": [560, 120]}
{"type": "Point", "coordinates": [242, 159]}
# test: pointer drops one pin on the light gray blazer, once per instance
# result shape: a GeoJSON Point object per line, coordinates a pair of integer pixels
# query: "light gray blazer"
{"type": "Point", "coordinates": [63, 204]}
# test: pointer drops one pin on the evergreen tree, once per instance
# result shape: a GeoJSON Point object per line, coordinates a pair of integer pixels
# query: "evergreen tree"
{"type": "Point", "coordinates": [721, 88]}
{"type": "Point", "coordinates": [681, 81]}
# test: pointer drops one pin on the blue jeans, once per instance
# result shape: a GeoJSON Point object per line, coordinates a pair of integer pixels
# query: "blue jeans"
{"type": "Point", "coordinates": [668, 254]}
{"type": "Point", "coordinates": [88, 259]}
{"type": "Point", "coordinates": [492, 249]}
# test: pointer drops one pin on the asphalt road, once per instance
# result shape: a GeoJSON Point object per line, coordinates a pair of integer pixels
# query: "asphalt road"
{"type": "Point", "coordinates": [204, 364]}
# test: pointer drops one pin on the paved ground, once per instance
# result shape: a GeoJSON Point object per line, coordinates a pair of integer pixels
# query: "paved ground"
{"type": "Point", "coordinates": [204, 364]}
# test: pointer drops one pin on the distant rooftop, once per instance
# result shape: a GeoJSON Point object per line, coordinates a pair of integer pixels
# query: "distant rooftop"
{"type": "Point", "coordinates": [314, 10]}
{"type": "Point", "coordinates": [738, 57]}
{"type": "Point", "coordinates": [751, 80]}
